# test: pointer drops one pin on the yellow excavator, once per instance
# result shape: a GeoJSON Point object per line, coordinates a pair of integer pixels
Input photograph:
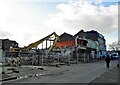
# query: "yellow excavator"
{"type": "Point", "coordinates": [35, 44]}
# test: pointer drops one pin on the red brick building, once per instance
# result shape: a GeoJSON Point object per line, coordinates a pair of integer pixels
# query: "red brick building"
{"type": "Point", "coordinates": [67, 40]}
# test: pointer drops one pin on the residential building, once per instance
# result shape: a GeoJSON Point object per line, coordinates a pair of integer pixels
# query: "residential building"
{"type": "Point", "coordinates": [96, 42]}
{"type": "Point", "coordinates": [6, 44]}
{"type": "Point", "coordinates": [65, 40]}
{"type": "Point", "coordinates": [74, 43]}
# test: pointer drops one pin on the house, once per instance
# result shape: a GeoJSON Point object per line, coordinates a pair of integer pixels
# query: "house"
{"type": "Point", "coordinates": [72, 43]}
{"type": "Point", "coordinates": [6, 44]}
{"type": "Point", "coordinates": [96, 43]}
{"type": "Point", "coordinates": [68, 40]}
{"type": "Point", "coordinates": [65, 40]}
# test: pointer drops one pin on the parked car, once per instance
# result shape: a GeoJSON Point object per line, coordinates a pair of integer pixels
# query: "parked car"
{"type": "Point", "coordinates": [115, 55]}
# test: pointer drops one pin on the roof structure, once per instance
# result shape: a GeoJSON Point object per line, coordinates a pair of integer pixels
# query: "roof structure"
{"type": "Point", "coordinates": [66, 37]}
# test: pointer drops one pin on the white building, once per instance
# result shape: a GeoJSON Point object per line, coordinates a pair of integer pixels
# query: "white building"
{"type": "Point", "coordinates": [101, 46]}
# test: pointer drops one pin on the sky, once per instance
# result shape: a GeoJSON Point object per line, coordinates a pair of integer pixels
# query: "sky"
{"type": "Point", "coordinates": [27, 21]}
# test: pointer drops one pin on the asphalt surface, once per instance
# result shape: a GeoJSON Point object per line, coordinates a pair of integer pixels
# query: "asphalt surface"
{"type": "Point", "coordinates": [111, 76]}
{"type": "Point", "coordinates": [89, 73]}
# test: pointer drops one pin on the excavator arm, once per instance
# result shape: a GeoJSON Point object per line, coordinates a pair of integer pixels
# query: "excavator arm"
{"type": "Point", "coordinates": [35, 44]}
{"type": "Point", "coordinates": [54, 43]}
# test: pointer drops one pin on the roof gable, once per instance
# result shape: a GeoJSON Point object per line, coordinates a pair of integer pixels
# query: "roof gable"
{"type": "Point", "coordinates": [66, 37]}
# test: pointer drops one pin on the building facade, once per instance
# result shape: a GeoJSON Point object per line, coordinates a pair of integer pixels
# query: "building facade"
{"type": "Point", "coordinates": [6, 44]}
{"type": "Point", "coordinates": [65, 40]}
{"type": "Point", "coordinates": [96, 42]}
{"type": "Point", "coordinates": [88, 45]}
{"type": "Point", "coordinates": [101, 46]}
{"type": "Point", "coordinates": [74, 43]}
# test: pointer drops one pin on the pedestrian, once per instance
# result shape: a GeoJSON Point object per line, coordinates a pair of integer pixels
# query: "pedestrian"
{"type": "Point", "coordinates": [107, 59]}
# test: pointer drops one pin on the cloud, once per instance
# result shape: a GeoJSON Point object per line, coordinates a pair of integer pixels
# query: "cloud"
{"type": "Point", "coordinates": [27, 22]}
{"type": "Point", "coordinates": [21, 21]}
{"type": "Point", "coordinates": [4, 34]}
{"type": "Point", "coordinates": [83, 14]}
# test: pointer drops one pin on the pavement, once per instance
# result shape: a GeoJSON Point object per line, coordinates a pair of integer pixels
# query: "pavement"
{"type": "Point", "coordinates": [109, 77]}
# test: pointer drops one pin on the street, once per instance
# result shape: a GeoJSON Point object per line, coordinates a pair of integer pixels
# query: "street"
{"type": "Point", "coordinates": [75, 73]}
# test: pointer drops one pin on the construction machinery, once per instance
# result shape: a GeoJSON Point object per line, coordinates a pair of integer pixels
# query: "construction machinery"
{"type": "Point", "coordinates": [35, 44]}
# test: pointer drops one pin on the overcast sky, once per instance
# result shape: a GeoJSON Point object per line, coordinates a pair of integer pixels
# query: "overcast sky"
{"type": "Point", "coordinates": [27, 21]}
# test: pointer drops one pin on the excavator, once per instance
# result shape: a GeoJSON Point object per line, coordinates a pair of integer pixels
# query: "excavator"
{"type": "Point", "coordinates": [35, 44]}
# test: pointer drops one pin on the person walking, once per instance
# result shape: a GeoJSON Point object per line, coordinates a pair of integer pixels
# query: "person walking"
{"type": "Point", "coordinates": [107, 59]}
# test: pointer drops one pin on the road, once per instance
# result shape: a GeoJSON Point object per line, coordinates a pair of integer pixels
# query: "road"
{"type": "Point", "coordinates": [75, 73]}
